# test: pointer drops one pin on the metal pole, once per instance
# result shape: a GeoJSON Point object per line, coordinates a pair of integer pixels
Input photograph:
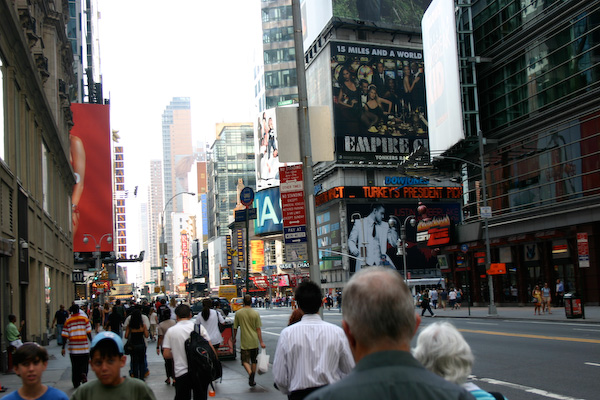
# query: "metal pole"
{"type": "Point", "coordinates": [403, 238]}
{"type": "Point", "coordinates": [305, 147]}
{"type": "Point", "coordinates": [488, 256]}
{"type": "Point", "coordinates": [247, 253]}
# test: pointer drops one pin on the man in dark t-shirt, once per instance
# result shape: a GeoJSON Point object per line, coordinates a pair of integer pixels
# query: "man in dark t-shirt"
{"type": "Point", "coordinates": [60, 317]}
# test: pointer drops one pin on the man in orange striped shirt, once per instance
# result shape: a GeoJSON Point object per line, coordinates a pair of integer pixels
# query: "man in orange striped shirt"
{"type": "Point", "coordinates": [77, 331]}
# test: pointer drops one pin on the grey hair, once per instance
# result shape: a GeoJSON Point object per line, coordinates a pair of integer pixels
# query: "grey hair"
{"type": "Point", "coordinates": [378, 307]}
{"type": "Point", "coordinates": [444, 351]}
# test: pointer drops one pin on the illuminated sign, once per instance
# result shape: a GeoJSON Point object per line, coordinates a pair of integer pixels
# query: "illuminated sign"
{"type": "Point", "coordinates": [185, 253]}
{"type": "Point", "coordinates": [229, 253]}
{"type": "Point", "coordinates": [435, 232]}
{"type": "Point", "coordinates": [405, 181]}
{"type": "Point", "coordinates": [257, 256]}
{"type": "Point", "coordinates": [269, 219]}
{"type": "Point", "coordinates": [389, 192]}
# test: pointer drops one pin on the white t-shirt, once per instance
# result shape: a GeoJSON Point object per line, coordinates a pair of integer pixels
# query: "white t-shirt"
{"type": "Point", "coordinates": [212, 325]}
{"type": "Point", "coordinates": [175, 340]}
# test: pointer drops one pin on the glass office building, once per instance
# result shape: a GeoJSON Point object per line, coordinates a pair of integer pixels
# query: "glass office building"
{"type": "Point", "coordinates": [538, 87]}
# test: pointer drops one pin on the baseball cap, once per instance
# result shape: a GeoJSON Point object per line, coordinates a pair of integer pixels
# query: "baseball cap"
{"type": "Point", "coordinates": [110, 336]}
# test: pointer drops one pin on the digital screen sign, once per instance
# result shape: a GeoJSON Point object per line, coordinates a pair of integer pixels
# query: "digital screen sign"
{"type": "Point", "coordinates": [389, 192]}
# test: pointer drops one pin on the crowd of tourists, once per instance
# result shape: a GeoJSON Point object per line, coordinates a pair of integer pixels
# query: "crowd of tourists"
{"type": "Point", "coordinates": [369, 356]}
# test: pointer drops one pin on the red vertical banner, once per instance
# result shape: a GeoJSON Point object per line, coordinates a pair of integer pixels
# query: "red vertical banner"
{"type": "Point", "coordinates": [91, 160]}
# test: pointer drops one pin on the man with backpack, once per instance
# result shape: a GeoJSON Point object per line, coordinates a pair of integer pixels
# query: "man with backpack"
{"type": "Point", "coordinates": [174, 346]}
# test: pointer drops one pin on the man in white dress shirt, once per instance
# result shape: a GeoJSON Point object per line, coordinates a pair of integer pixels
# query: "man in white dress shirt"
{"type": "Point", "coordinates": [311, 353]}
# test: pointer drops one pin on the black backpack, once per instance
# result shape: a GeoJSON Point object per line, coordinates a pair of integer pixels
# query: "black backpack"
{"type": "Point", "coordinates": [203, 363]}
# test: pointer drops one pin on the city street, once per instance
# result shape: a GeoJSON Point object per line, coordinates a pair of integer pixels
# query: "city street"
{"type": "Point", "coordinates": [522, 356]}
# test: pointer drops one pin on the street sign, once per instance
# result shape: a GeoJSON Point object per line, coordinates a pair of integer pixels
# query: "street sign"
{"type": "Point", "coordinates": [240, 215]}
{"type": "Point", "coordinates": [156, 268]}
{"type": "Point", "coordinates": [331, 258]}
{"type": "Point", "coordinates": [151, 283]}
{"type": "Point", "coordinates": [583, 250]}
{"type": "Point", "coordinates": [77, 276]}
{"type": "Point", "coordinates": [247, 196]}
{"type": "Point", "coordinates": [486, 212]}
{"type": "Point", "coordinates": [464, 248]}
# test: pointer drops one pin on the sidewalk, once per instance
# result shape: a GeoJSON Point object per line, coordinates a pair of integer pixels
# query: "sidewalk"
{"type": "Point", "coordinates": [592, 314]}
{"type": "Point", "coordinates": [235, 379]}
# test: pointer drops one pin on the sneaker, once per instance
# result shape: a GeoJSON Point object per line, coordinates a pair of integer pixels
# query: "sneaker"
{"type": "Point", "coordinates": [251, 381]}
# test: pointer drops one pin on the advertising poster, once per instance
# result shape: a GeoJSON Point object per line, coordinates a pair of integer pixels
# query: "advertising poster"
{"type": "Point", "coordinates": [91, 161]}
{"type": "Point", "coordinates": [378, 102]}
{"type": "Point", "coordinates": [257, 256]}
{"type": "Point", "coordinates": [375, 230]}
{"type": "Point", "coordinates": [267, 155]}
{"type": "Point", "coordinates": [392, 12]}
{"type": "Point", "coordinates": [268, 207]}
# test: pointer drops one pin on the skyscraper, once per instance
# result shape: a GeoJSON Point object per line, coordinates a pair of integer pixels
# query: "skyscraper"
{"type": "Point", "coordinates": [177, 160]}
{"type": "Point", "coordinates": [278, 78]}
{"type": "Point", "coordinates": [155, 207]}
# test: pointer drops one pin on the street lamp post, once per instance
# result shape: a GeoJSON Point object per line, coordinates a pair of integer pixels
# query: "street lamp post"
{"type": "Point", "coordinates": [163, 244]}
{"type": "Point", "coordinates": [402, 242]}
{"type": "Point", "coordinates": [97, 244]}
{"type": "Point", "coordinates": [488, 257]}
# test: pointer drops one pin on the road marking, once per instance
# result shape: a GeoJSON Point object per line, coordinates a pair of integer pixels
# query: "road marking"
{"type": "Point", "coordinates": [522, 335]}
{"type": "Point", "coordinates": [592, 364]}
{"type": "Point", "coordinates": [527, 389]}
{"type": "Point", "coordinates": [481, 323]}
{"type": "Point", "coordinates": [270, 333]}
{"type": "Point", "coordinates": [587, 330]}
{"type": "Point", "coordinates": [550, 323]}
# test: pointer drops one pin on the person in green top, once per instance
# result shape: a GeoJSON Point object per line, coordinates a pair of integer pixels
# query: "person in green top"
{"type": "Point", "coordinates": [107, 359]}
{"type": "Point", "coordinates": [13, 334]}
{"type": "Point", "coordinates": [249, 323]}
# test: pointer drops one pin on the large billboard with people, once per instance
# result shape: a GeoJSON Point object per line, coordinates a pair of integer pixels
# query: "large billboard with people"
{"type": "Point", "coordinates": [92, 196]}
{"type": "Point", "coordinates": [267, 153]}
{"type": "Point", "coordinates": [378, 102]}
{"type": "Point", "coordinates": [374, 230]}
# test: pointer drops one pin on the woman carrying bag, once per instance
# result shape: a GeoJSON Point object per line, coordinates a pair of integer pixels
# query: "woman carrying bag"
{"type": "Point", "coordinates": [210, 320]}
{"type": "Point", "coordinates": [136, 334]}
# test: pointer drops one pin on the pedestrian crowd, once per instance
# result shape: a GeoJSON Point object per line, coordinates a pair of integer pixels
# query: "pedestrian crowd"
{"type": "Point", "coordinates": [369, 356]}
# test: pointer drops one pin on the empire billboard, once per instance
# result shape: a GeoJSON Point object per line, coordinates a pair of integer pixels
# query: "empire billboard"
{"type": "Point", "coordinates": [378, 102]}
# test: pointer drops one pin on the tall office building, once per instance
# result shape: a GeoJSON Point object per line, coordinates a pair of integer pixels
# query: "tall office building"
{"type": "Point", "coordinates": [177, 161]}
{"type": "Point", "coordinates": [537, 84]}
{"type": "Point", "coordinates": [155, 208]}
{"type": "Point", "coordinates": [82, 33]}
{"type": "Point", "coordinates": [231, 163]}
{"type": "Point", "coordinates": [275, 76]}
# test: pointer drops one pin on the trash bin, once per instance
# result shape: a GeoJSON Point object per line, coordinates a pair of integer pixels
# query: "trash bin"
{"type": "Point", "coordinates": [227, 348]}
{"type": "Point", "coordinates": [573, 305]}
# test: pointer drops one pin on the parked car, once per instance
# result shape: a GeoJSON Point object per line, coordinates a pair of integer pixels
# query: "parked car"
{"type": "Point", "coordinates": [196, 307]}
{"type": "Point", "coordinates": [221, 301]}
{"type": "Point", "coordinates": [223, 304]}
{"type": "Point", "coordinates": [237, 303]}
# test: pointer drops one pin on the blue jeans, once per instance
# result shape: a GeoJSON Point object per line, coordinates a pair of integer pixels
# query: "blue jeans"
{"type": "Point", "coordinates": [59, 338]}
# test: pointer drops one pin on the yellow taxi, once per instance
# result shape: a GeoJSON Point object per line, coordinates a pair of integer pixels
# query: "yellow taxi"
{"type": "Point", "coordinates": [236, 303]}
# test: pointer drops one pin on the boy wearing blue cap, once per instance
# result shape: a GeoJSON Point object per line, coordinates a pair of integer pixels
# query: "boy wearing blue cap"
{"type": "Point", "coordinates": [107, 359]}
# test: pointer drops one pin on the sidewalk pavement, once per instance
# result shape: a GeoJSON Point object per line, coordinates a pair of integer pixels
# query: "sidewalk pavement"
{"type": "Point", "coordinates": [235, 379]}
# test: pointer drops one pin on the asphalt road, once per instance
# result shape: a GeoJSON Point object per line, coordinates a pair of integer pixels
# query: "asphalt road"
{"type": "Point", "coordinates": [523, 359]}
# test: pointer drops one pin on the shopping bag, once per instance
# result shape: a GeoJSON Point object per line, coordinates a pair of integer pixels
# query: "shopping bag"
{"type": "Point", "coordinates": [263, 362]}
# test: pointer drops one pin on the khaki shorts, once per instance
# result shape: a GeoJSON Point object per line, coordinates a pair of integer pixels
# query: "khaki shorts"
{"type": "Point", "coordinates": [249, 356]}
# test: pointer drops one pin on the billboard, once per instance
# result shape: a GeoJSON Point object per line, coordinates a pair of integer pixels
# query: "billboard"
{"type": "Point", "coordinates": [257, 256]}
{"type": "Point", "coordinates": [443, 83]}
{"type": "Point", "coordinates": [375, 230]}
{"type": "Point", "coordinates": [269, 219]}
{"type": "Point", "coordinates": [378, 102]}
{"type": "Point", "coordinates": [316, 14]}
{"type": "Point", "coordinates": [92, 196]}
{"type": "Point", "coordinates": [267, 155]}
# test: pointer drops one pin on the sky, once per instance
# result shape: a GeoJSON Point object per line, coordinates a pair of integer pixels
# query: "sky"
{"type": "Point", "coordinates": [152, 51]}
